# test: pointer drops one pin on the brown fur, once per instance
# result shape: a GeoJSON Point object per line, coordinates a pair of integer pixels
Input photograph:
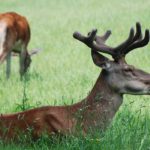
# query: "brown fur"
{"type": "Point", "coordinates": [95, 111]}
{"type": "Point", "coordinates": [18, 30]}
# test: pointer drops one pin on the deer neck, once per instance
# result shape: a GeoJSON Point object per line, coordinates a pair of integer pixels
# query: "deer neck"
{"type": "Point", "coordinates": [100, 106]}
{"type": "Point", "coordinates": [102, 92]}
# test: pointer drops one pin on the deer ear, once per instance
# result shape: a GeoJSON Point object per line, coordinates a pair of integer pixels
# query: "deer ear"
{"type": "Point", "coordinates": [100, 60]}
{"type": "Point", "coordinates": [35, 51]}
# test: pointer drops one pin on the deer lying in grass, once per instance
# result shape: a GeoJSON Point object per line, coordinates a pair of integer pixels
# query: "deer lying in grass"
{"type": "Point", "coordinates": [14, 37]}
{"type": "Point", "coordinates": [99, 107]}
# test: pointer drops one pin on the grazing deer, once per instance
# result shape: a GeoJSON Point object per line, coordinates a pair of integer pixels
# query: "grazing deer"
{"type": "Point", "coordinates": [99, 107]}
{"type": "Point", "coordinates": [14, 37]}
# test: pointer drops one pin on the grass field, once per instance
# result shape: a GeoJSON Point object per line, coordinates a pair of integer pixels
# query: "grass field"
{"type": "Point", "coordinates": [63, 73]}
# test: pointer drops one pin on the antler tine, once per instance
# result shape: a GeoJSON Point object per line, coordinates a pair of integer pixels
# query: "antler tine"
{"type": "Point", "coordinates": [136, 37]}
{"type": "Point", "coordinates": [117, 51]}
{"type": "Point", "coordinates": [86, 40]}
{"type": "Point", "coordinates": [138, 34]}
{"type": "Point", "coordinates": [102, 39]}
{"type": "Point", "coordinates": [133, 41]}
{"type": "Point", "coordinates": [127, 42]}
{"type": "Point", "coordinates": [139, 43]}
{"type": "Point", "coordinates": [89, 41]}
{"type": "Point", "coordinates": [101, 47]}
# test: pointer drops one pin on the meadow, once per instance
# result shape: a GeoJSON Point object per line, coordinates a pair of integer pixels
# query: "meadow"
{"type": "Point", "coordinates": [63, 73]}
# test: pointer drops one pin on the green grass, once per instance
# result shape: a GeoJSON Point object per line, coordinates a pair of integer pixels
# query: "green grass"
{"type": "Point", "coordinates": [64, 72]}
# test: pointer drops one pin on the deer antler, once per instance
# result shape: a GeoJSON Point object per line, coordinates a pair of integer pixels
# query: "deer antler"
{"type": "Point", "coordinates": [138, 41]}
{"type": "Point", "coordinates": [100, 46]}
{"type": "Point", "coordinates": [102, 39]}
{"type": "Point", "coordinates": [133, 41]}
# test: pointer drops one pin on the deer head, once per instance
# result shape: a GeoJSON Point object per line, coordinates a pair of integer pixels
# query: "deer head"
{"type": "Point", "coordinates": [28, 59]}
{"type": "Point", "coordinates": [120, 76]}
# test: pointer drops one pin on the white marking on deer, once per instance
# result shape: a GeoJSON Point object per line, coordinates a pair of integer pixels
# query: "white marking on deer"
{"type": "Point", "coordinates": [3, 30]}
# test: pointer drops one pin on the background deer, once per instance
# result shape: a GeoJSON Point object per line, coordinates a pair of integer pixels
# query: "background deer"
{"type": "Point", "coordinates": [99, 107]}
{"type": "Point", "coordinates": [14, 37]}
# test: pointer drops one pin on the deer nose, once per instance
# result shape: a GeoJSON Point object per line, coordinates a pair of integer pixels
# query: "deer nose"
{"type": "Point", "coordinates": [147, 83]}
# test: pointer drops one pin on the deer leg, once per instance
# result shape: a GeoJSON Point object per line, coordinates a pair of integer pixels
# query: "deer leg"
{"type": "Point", "coordinates": [3, 56]}
{"type": "Point", "coordinates": [22, 62]}
{"type": "Point", "coordinates": [8, 65]}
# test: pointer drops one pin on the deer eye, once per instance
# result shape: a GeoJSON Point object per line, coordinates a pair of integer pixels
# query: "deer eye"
{"type": "Point", "coordinates": [128, 70]}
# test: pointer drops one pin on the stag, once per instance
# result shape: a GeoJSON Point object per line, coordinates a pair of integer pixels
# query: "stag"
{"type": "Point", "coordinates": [97, 110]}
{"type": "Point", "coordinates": [14, 37]}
